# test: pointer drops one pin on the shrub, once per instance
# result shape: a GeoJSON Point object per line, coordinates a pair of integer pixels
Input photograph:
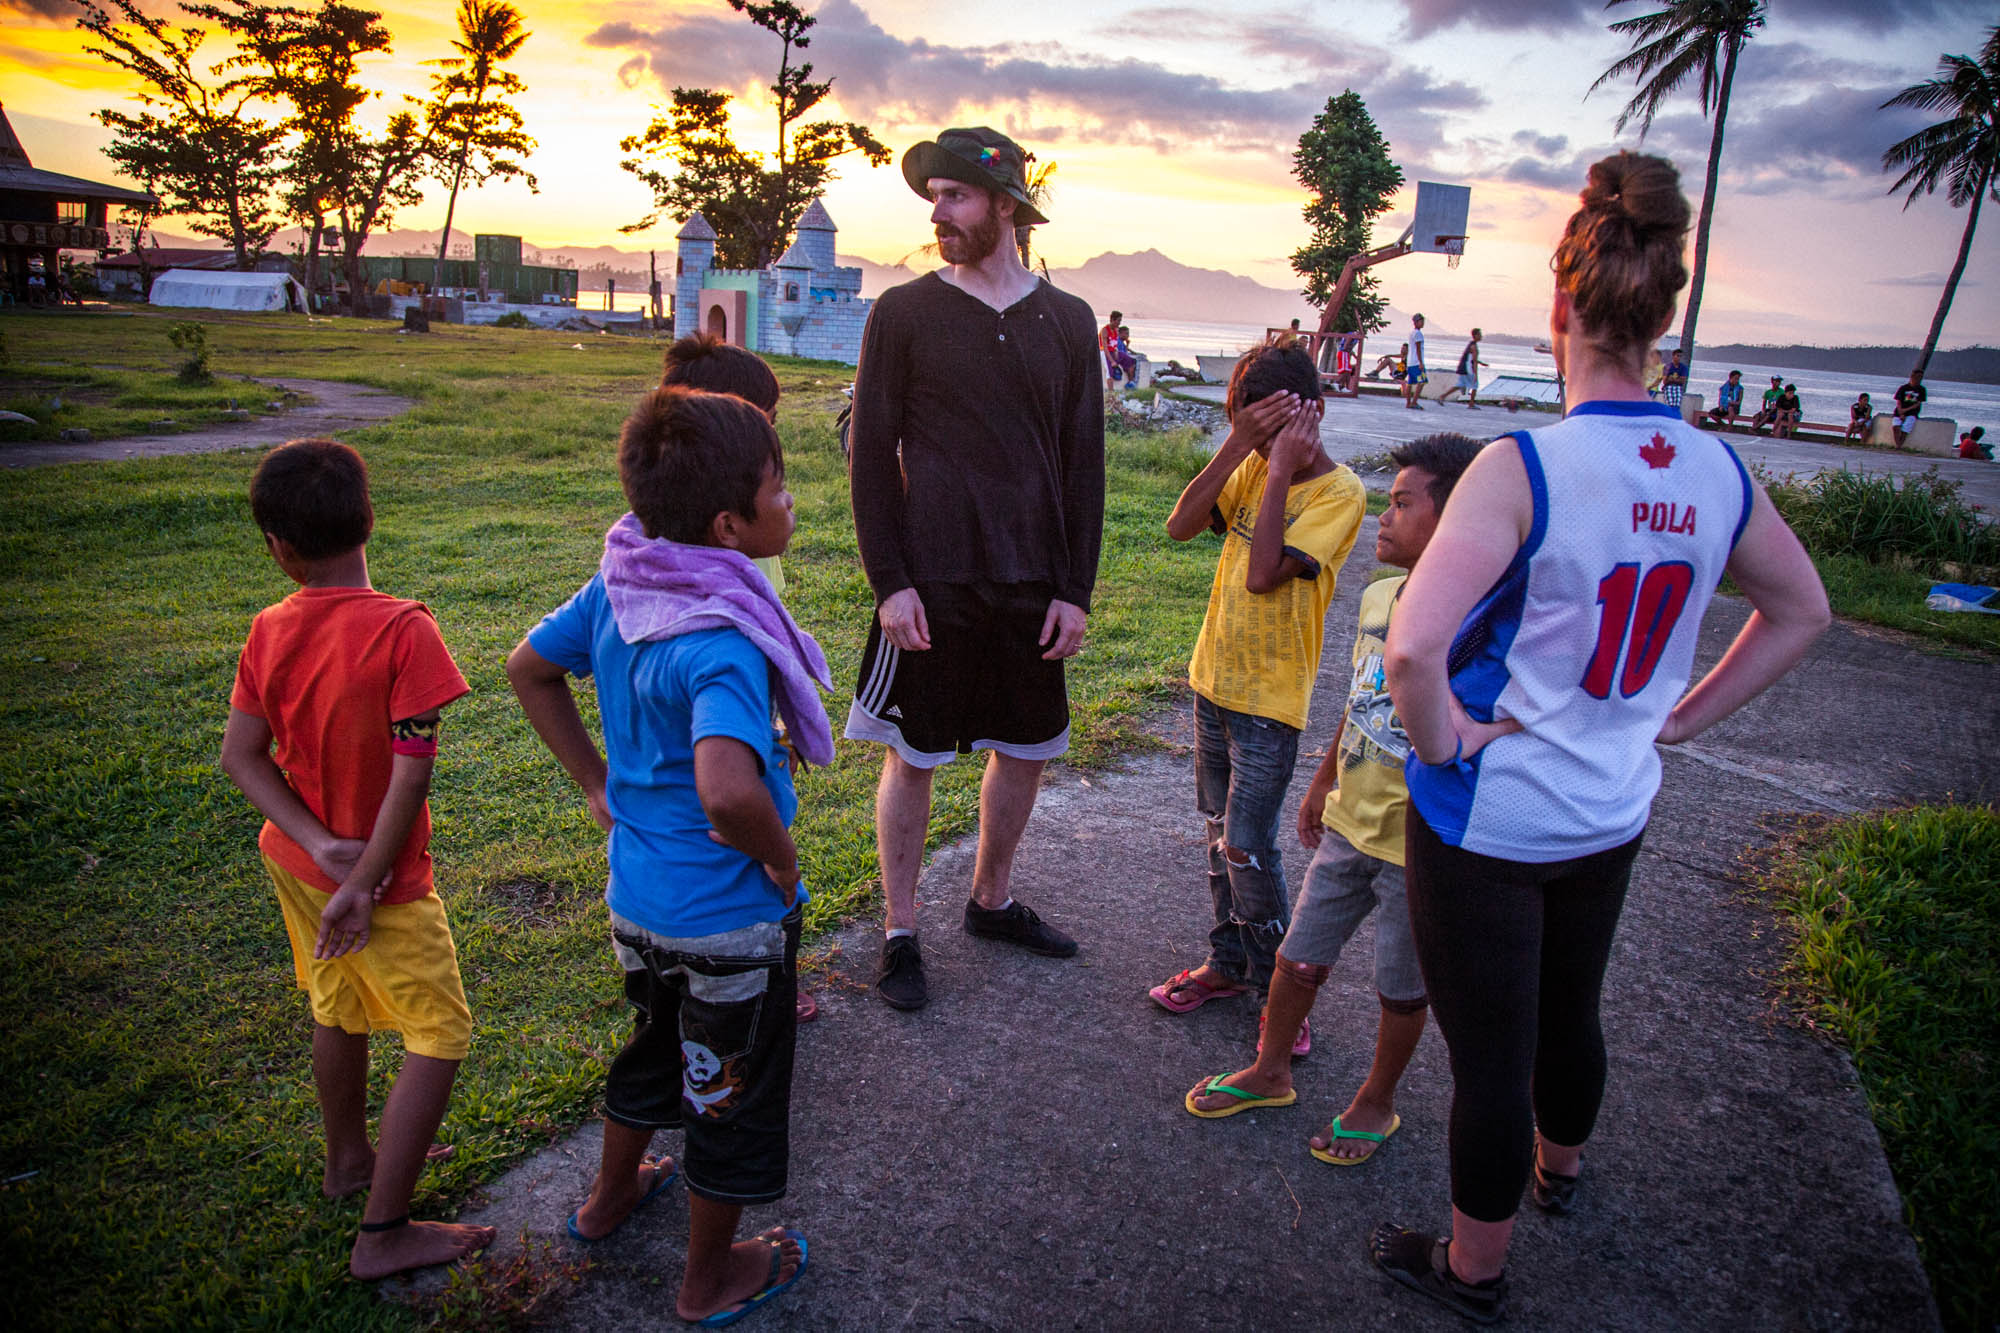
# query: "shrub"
{"type": "Point", "coordinates": [192, 339]}
{"type": "Point", "coordinates": [1921, 520]}
{"type": "Point", "coordinates": [513, 319]}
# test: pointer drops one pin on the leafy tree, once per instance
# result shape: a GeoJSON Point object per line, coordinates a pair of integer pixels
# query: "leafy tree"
{"type": "Point", "coordinates": [691, 162]}
{"type": "Point", "coordinates": [387, 173]}
{"type": "Point", "coordinates": [307, 60]}
{"type": "Point", "coordinates": [1963, 149]}
{"type": "Point", "coordinates": [475, 125]}
{"type": "Point", "coordinates": [1686, 39]}
{"type": "Point", "coordinates": [195, 145]}
{"type": "Point", "coordinates": [1344, 160]}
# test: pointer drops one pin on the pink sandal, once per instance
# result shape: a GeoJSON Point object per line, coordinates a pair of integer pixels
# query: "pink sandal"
{"type": "Point", "coordinates": [1169, 994]}
{"type": "Point", "coordinates": [1301, 1046]}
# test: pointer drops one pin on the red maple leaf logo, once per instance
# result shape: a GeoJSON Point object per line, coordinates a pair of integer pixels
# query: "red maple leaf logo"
{"type": "Point", "coordinates": [1659, 453]}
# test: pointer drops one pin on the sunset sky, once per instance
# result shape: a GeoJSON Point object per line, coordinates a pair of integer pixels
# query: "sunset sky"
{"type": "Point", "coordinates": [1173, 127]}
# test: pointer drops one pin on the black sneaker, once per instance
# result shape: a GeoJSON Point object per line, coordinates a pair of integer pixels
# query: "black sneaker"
{"type": "Point", "coordinates": [901, 980]}
{"type": "Point", "coordinates": [1017, 924]}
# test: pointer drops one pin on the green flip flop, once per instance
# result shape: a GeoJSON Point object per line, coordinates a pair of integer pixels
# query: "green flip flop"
{"type": "Point", "coordinates": [1246, 1100]}
{"type": "Point", "coordinates": [1340, 1132]}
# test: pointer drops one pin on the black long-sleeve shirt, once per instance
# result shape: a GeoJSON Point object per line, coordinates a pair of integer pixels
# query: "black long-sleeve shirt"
{"type": "Point", "coordinates": [999, 418]}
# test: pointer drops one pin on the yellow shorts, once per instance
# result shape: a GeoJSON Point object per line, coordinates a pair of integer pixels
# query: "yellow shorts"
{"type": "Point", "coordinates": [405, 979]}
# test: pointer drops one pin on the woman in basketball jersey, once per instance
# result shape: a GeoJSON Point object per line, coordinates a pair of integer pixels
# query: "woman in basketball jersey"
{"type": "Point", "coordinates": [1542, 646]}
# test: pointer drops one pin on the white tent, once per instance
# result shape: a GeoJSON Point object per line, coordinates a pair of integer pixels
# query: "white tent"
{"type": "Point", "coordinates": [227, 290]}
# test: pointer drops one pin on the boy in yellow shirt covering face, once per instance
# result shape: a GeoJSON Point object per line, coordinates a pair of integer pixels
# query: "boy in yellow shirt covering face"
{"type": "Point", "coordinates": [1287, 516]}
{"type": "Point", "coordinates": [1356, 831]}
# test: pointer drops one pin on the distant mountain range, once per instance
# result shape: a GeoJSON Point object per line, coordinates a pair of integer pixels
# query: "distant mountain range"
{"type": "Point", "coordinates": [1967, 365]}
{"type": "Point", "coordinates": [1147, 285]}
{"type": "Point", "coordinates": [1150, 285]}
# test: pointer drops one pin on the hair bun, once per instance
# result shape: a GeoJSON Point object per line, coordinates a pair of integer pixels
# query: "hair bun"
{"type": "Point", "coordinates": [1640, 187]}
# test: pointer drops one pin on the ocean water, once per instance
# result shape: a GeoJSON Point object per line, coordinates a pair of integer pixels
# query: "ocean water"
{"type": "Point", "coordinates": [1825, 394]}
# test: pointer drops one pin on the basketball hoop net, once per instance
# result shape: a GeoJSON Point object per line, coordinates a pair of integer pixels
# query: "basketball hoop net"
{"type": "Point", "coordinates": [1454, 249]}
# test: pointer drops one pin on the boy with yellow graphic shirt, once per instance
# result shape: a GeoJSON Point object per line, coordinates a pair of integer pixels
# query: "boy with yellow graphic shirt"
{"type": "Point", "coordinates": [1288, 516]}
{"type": "Point", "coordinates": [1356, 831]}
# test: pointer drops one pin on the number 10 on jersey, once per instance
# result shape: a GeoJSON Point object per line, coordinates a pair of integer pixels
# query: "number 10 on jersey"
{"type": "Point", "coordinates": [1636, 622]}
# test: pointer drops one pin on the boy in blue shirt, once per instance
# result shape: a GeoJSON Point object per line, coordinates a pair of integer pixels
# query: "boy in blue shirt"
{"type": "Point", "coordinates": [688, 645]}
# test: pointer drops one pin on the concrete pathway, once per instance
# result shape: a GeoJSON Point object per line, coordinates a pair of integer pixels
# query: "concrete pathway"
{"type": "Point", "coordinates": [1016, 1155]}
{"type": "Point", "coordinates": [335, 407]}
{"type": "Point", "coordinates": [1374, 423]}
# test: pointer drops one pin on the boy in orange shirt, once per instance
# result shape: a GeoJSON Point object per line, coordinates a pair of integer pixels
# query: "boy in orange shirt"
{"type": "Point", "coordinates": [347, 682]}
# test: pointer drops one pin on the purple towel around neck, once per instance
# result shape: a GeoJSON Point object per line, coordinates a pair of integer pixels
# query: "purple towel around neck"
{"type": "Point", "coordinates": [660, 589]}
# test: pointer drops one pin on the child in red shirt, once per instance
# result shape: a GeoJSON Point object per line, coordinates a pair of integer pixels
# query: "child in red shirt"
{"type": "Point", "coordinates": [346, 683]}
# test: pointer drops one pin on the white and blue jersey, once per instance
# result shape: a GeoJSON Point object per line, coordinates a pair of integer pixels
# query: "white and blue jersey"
{"type": "Point", "coordinates": [1588, 639]}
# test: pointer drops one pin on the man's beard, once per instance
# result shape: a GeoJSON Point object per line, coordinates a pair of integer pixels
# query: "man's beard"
{"type": "Point", "coordinates": [974, 246]}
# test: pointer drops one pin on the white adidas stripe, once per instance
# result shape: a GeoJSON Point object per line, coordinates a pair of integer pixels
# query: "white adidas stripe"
{"type": "Point", "coordinates": [880, 678]}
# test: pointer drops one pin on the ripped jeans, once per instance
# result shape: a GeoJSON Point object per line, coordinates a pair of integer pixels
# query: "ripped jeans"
{"type": "Point", "coordinates": [1242, 766]}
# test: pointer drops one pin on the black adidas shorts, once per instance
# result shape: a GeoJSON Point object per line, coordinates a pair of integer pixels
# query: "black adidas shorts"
{"type": "Point", "coordinates": [981, 685]}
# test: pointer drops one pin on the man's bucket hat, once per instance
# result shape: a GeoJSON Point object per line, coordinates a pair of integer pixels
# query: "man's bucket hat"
{"type": "Point", "coordinates": [977, 156]}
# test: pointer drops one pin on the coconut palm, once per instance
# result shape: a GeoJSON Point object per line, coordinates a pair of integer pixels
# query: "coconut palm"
{"type": "Point", "coordinates": [1686, 39]}
{"type": "Point", "coordinates": [1963, 148]}
{"type": "Point", "coordinates": [470, 113]}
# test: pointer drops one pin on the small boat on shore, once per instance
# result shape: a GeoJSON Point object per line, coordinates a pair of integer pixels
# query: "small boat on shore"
{"type": "Point", "coordinates": [1217, 369]}
{"type": "Point", "coordinates": [1522, 389]}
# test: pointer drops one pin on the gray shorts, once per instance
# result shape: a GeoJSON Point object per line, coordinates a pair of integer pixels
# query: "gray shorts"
{"type": "Point", "coordinates": [1342, 887]}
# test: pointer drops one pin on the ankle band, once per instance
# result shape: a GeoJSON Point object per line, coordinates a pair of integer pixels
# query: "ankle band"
{"type": "Point", "coordinates": [392, 1224]}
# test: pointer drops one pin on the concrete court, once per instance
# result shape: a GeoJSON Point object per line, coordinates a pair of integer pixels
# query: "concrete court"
{"type": "Point", "coordinates": [1374, 423]}
{"type": "Point", "coordinates": [1016, 1155]}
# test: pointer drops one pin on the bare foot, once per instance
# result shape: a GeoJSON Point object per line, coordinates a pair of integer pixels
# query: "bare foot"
{"type": "Point", "coordinates": [609, 1205]}
{"type": "Point", "coordinates": [747, 1273]}
{"type": "Point", "coordinates": [377, 1254]}
{"type": "Point", "coordinates": [354, 1177]}
{"type": "Point", "coordinates": [1368, 1117]}
{"type": "Point", "coordinates": [1247, 1079]}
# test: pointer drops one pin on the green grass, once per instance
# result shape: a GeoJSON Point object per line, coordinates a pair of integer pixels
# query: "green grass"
{"type": "Point", "coordinates": [159, 1132]}
{"type": "Point", "coordinates": [113, 403]}
{"type": "Point", "coordinates": [1896, 952]}
{"type": "Point", "coordinates": [1893, 595]}
{"type": "Point", "coordinates": [1881, 541]}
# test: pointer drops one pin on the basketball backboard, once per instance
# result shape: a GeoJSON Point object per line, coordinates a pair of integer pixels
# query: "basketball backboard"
{"type": "Point", "coordinates": [1443, 212]}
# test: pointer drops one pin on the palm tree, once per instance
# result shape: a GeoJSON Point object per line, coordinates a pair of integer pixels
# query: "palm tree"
{"type": "Point", "coordinates": [1686, 39]}
{"type": "Point", "coordinates": [1036, 184]}
{"type": "Point", "coordinates": [468, 106]}
{"type": "Point", "coordinates": [1964, 147]}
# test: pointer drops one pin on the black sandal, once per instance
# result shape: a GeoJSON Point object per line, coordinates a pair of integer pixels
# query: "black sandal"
{"type": "Point", "coordinates": [1422, 1263]}
{"type": "Point", "coordinates": [1553, 1192]}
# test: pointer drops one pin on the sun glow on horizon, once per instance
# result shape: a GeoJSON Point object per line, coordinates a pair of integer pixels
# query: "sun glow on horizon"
{"type": "Point", "coordinates": [1838, 262]}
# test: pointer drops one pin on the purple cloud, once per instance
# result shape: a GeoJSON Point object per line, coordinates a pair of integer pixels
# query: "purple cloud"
{"type": "Point", "coordinates": [1554, 16]}
{"type": "Point", "coordinates": [1429, 16]}
{"type": "Point", "coordinates": [892, 81]}
{"type": "Point", "coordinates": [44, 9]}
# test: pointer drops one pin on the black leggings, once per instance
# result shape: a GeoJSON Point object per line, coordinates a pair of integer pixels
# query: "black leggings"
{"type": "Point", "coordinates": [1513, 955]}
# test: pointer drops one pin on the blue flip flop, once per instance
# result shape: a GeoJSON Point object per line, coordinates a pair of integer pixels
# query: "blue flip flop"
{"type": "Point", "coordinates": [660, 1183]}
{"type": "Point", "coordinates": [723, 1318]}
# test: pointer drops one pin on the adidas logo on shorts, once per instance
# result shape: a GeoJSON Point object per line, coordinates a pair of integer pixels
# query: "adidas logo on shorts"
{"type": "Point", "coordinates": [893, 711]}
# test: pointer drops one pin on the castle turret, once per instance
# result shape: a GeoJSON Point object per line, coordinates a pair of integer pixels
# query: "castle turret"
{"type": "Point", "coordinates": [696, 255]}
{"type": "Point", "coordinates": [794, 286]}
{"type": "Point", "coordinates": [815, 238]}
